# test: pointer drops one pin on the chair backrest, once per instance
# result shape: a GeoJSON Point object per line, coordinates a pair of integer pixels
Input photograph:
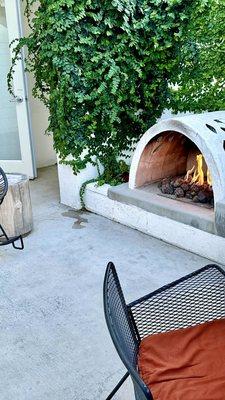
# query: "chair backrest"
{"type": "Point", "coordinates": [3, 185]}
{"type": "Point", "coordinates": [122, 329]}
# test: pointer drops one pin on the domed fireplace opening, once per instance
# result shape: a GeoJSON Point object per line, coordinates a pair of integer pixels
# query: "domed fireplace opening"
{"type": "Point", "coordinates": [173, 166]}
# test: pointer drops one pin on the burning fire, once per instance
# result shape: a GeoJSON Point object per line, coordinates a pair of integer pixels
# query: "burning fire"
{"type": "Point", "coordinates": [196, 185]}
{"type": "Point", "coordinates": [196, 173]}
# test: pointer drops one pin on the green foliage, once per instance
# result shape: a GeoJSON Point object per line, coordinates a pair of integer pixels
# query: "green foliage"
{"type": "Point", "coordinates": [201, 76]}
{"type": "Point", "coordinates": [102, 68]}
{"type": "Point", "coordinates": [115, 172]}
{"type": "Point", "coordinates": [82, 190]}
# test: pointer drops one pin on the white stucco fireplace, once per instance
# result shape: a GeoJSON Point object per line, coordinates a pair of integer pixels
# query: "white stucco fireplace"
{"type": "Point", "coordinates": [189, 150]}
{"type": "Point", "coordinates": [170, 149]}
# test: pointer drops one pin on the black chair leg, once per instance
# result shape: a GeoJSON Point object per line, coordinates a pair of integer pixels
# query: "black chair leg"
{"type": "Point", "coordinates": [119, 384]}
{"type": "Point", "coordinates": [3, 232]}
{"type": "Point", "coordinates": [21, 246]}
{"type": "Point", "coordinates": [11, 240]}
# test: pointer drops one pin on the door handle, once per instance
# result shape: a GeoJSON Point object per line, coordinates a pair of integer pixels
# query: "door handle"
{"type": "Point", "coordinates": [17, 99]}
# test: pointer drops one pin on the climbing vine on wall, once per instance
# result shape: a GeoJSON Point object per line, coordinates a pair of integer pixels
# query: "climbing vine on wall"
{"type": "Point", "coordinates": [102, 68]}
{"type": "Point", "coordinates": [200, 79]}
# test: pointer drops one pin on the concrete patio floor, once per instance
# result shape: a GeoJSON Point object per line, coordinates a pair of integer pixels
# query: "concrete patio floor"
{"type": "Point", "coordinates": [54, 344]}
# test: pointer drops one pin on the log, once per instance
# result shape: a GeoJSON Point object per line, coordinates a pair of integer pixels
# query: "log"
{"type": "Point", "coordinates": [16, 211]}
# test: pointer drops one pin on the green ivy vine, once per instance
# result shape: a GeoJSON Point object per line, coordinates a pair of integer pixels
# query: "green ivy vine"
{"type": "Point", "coordinates": [103, 69]}
{"type": "Point", "coordinates": [200, 79]}
{"type": "Point", "coordinates": [106, 70]}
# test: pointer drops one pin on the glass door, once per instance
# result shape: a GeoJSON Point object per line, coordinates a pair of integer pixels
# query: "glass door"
{"type": "Point", "coordinates": [16, 150]}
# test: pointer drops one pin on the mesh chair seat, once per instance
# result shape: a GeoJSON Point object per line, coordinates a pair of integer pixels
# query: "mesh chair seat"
{"type": "Point", "coordinates": [194, 299]}
{"type": "Point", "coordinates": [16, 241]}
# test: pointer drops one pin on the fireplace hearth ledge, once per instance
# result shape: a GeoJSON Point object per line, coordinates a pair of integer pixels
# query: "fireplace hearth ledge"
{"type": "Point", "coordinates": [187, 237]}
{"type": "Point", "coordinates": [189, 214]}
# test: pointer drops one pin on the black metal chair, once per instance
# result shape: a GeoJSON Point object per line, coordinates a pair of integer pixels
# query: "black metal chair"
{"type": "Point", "coordinates": [194, 299]}
{"type": "Point", "coordinates": [4, 238]}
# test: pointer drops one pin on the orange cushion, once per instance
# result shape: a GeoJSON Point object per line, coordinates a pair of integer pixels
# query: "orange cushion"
{"type": "Point", "coordinates": [185, 363]}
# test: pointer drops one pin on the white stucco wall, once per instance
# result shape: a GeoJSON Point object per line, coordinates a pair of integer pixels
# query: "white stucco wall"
{"type": "Point", "coordinates": [43, 144]}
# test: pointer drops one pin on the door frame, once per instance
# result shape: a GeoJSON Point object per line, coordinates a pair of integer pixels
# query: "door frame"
{"type": "Point", "coordinates": [27, 164]}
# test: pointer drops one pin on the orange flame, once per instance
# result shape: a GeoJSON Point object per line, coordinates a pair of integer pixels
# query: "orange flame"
{"type": "Point", "coordinates": [209, 178]}
{"type": "Point", "coordinates": [197, 174]}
